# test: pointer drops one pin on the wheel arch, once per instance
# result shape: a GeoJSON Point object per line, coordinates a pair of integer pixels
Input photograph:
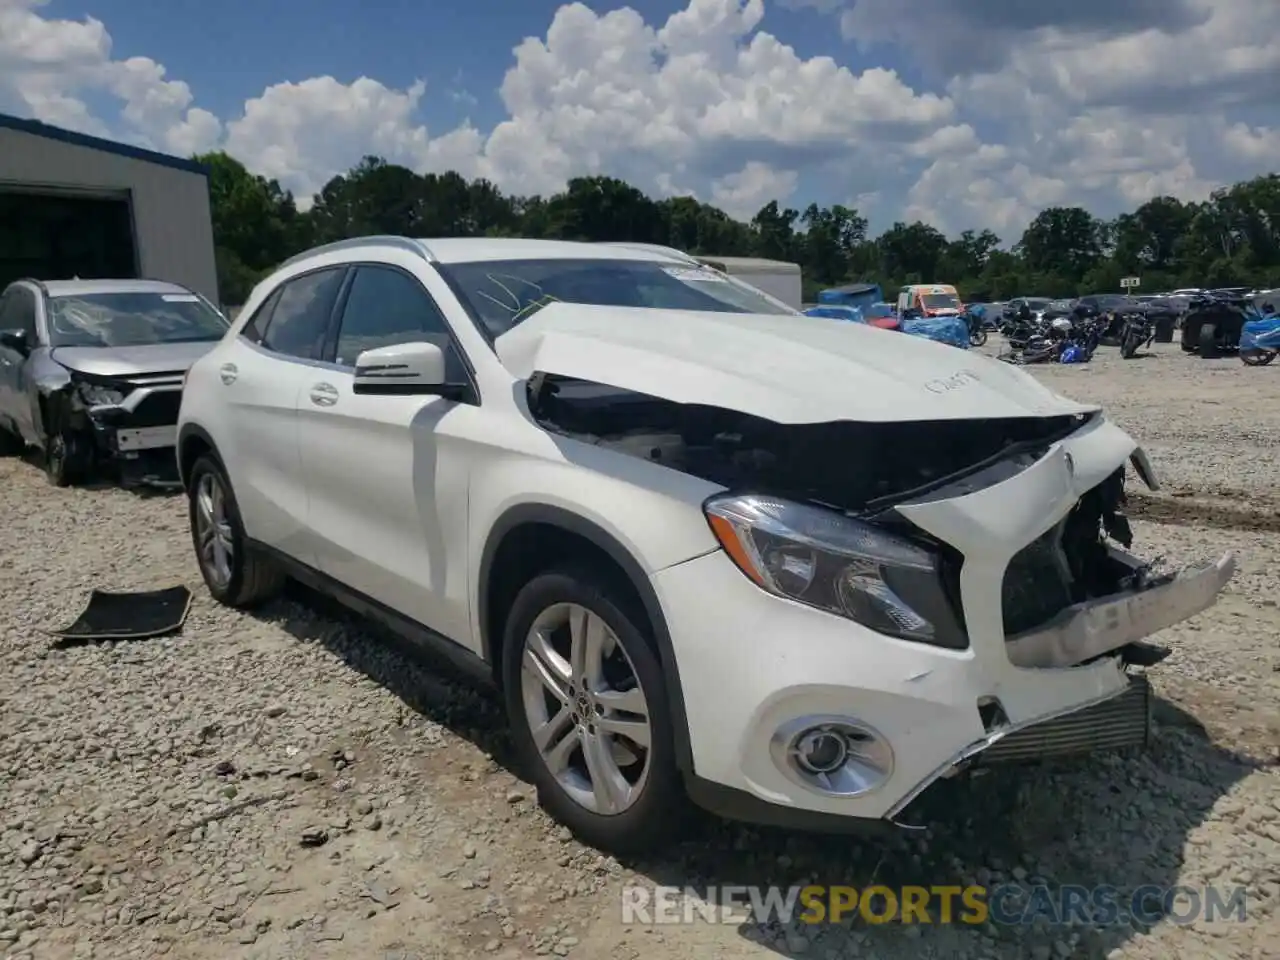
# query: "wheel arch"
{"type": "Point", "coordinates": [193, 442]}
{"type": "Point", "coordinates": [563, 526]}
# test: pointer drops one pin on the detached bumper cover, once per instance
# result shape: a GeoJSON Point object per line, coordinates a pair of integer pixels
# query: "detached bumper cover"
{"type": "Point", "coordinates": [1097, 627]}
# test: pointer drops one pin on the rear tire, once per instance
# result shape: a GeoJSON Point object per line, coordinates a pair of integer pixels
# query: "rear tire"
{"type": "Point", "coordinates": [1208, 341]}
{"type": "Point", "coordinates": [611, 791]}
{"type": "Point", "coordinates": [236, 574]}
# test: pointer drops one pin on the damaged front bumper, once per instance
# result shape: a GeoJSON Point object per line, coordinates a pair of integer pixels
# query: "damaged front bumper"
{"type": "Point", "coordinates": [133, 425]}
{"type": "Point", "coordinates": [1098, 627]}
{"type": "Point", "coordinates": [755, 667]}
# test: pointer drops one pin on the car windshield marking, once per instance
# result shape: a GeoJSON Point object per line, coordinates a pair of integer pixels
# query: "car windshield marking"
{"type": "Point", "coordinates": [504, 295]}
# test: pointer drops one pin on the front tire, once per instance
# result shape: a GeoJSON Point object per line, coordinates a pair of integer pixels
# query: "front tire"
{"type": "Point", "coordinates": [66, 459]}
{"type": "Point", "coordinates": [11, 444]}
{"type": "Point", "coordinates": [236, 574]}
{"type": "Point", "coordinates": [588, 706]}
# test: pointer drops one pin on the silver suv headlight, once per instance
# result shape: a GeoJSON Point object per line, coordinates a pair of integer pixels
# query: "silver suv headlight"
{"type": "Point", "coordinates": [819, 557]}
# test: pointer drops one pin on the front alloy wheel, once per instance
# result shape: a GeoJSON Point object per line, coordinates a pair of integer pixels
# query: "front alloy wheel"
{"type": "Point", "coordinates": [586, 710]}
{"type": "Point", "coordinates": [590, 720]}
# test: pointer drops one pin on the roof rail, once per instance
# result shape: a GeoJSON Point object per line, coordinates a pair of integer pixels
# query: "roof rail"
{"type": "Point", "coordinates": [351, 243]}
{"type": "Point", "coordinates": [651, 248]}
{"type": "Point", "coordinates": [38, 284]}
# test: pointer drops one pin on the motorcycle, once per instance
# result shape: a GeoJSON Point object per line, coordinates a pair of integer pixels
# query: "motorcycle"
{"type": "Point", "coordinates": [1137, 331]}
{"type": "Point", "coordinates": [1260, 337]}
{"type": "Point", "coordinates": [1058, 340]}
{"type": "Point", "coordinates": [977, 321]}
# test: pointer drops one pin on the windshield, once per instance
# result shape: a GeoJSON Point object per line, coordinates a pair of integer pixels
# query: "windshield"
{"type": "Point", "coordinates": [502, 293]}
{"type": "Point", "coordinates": [132, 319]}
{"type": "Point", "coordinates": [940, 301]}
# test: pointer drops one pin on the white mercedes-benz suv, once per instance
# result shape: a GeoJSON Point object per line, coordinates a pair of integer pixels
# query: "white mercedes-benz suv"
{"type": "Point", "coordinates": [795, 569]}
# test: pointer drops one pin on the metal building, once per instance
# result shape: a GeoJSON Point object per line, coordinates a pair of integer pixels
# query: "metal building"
{"type": "Point", "coordinates": [73, 205]}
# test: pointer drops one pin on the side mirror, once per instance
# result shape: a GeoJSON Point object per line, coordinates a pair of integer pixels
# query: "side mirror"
{"type": "Point", "coordinates": [404, 370]}
{"type": "Point", "coordinates": [15, 340]}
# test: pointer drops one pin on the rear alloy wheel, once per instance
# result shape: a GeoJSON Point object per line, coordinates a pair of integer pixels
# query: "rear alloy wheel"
{"type": "Point", "coordinates": [588, 708]}
{"type": "Point", "coordinates": [235, 573]}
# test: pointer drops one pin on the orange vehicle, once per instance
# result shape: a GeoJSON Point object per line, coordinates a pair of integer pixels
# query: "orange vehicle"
{"type": "Point", "coordinates": [930, 300]}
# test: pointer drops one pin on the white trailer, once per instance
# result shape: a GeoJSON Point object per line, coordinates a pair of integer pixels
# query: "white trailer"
{"type": "Point", "coordinates": [777, 278]}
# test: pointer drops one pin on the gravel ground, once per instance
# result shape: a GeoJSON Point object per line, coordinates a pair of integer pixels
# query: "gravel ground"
{"type": "Point", "coordinates": [285, 786]}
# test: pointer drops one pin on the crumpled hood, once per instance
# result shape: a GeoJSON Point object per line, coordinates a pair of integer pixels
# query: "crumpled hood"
{"type": "Point", "coordinates": [789, 369]}
{"type": "Point", "coordinates": [132, 361]}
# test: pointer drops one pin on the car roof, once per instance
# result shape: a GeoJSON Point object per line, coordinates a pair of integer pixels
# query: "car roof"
{"type": "Point", "coordinates": [472, 249]}
{"type": "Point", "coordinates": [447, 250]}
{"type": "Point", "coordinates": [80, 288]}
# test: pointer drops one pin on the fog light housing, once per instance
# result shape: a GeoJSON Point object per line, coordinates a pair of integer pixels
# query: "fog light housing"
{"type": "Point", "coordinates": [833, 756]}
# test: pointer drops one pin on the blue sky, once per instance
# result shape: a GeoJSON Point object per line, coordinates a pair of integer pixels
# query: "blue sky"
{"type": "Point", "coordinates": [968, 115]}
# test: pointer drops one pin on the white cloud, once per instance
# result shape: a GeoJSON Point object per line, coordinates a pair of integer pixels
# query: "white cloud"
{"type": "Point", "coordinates": [303, 134]}
{"type": "Point", "coordinates": [1099, 102]}
{"type": "Point", "coordinates": [742, 193]}
{"type": "Point", "coordinates": [48, 65]}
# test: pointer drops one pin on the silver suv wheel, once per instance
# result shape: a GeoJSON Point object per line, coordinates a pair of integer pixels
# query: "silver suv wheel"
{"type": "Point", "coordinates": [215, 543]}
{"type": "Point", "coordinates": [586, 709]}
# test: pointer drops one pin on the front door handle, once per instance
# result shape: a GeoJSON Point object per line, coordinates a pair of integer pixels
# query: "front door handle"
{"type": "Point", "coordinates": [228, 373]}
{"type": "Point", "coordinates": [324, 394]}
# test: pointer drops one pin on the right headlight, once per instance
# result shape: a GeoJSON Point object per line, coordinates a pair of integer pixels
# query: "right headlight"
{"type": "Point", "coordinates": [824, 559]}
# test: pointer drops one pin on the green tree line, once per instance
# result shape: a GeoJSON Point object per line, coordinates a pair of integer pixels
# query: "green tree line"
{"type": "Point", "coordinates": [1230, 239]}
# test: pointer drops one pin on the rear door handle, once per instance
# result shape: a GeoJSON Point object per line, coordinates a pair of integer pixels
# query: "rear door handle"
{"type": "Point", "coordinates": [324, 394]}
{"type": "Point", "coordinates": [228, 373]}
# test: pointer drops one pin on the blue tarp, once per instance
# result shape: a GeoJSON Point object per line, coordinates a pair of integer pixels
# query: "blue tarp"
{"type": "Point", "coordinates": [860, 295]}
{"type": "Point", "coordinates": [951, 330]}
{"type": "Point", "coordinates": [1261, 333]}
{"type": "Point", "coordinates": [852, 314]}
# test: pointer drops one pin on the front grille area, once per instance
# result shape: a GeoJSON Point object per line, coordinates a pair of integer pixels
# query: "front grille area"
{"type": "Point", "coordinates": [159, 409]}
{"type": "Point", "coordinates": [1036, 584]}
{"type": "Point", "coordinates": [1070, 563]}
{"type": "Point", "coordinates": [1123, 721]}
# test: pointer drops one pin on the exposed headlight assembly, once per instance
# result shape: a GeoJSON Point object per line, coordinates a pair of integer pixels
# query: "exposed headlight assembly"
{"type": "Point", "coordinates": [847, 567]}
{"type": "Point", "coordinates": [98, 394]}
